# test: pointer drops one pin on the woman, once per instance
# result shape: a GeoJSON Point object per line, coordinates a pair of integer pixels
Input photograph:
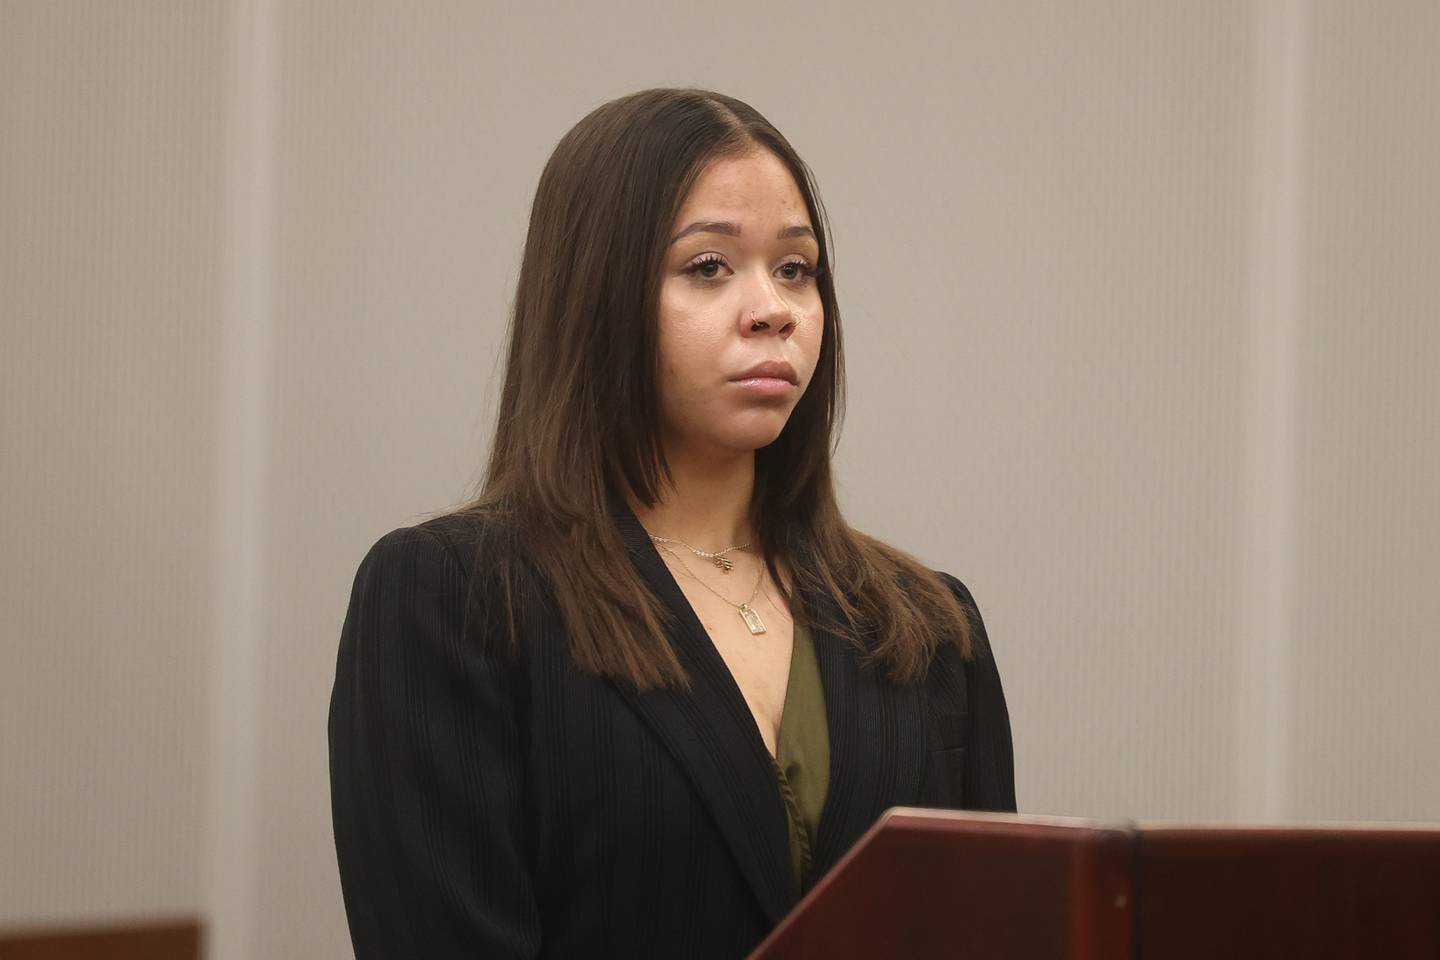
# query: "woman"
{"type": "Point", "coordinates": [642, 691]}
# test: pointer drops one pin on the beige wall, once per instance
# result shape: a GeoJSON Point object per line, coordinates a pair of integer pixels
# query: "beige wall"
{"type": "Point", "coordinates": [1141, 326]}
{"type": "Point", "coordinates": [1365, 719]}
{"type": "Point", "coordinates": [110, 189]}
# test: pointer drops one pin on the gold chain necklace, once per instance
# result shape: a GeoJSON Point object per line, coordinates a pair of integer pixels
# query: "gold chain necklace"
{"type": "Point", "coordinates": [749, 614]}
{"type": "Point", "coordinates": [717, 556]}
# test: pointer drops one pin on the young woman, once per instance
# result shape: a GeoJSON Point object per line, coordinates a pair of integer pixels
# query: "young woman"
{"type": "Point", "coordinates": [642, 691]}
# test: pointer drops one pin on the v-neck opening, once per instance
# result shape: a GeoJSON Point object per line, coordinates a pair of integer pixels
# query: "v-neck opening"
{"type": "Point", "coordinates": [690, 621]}
{"type": "Point", "coordinates": [852, 691]}
{"type": "Point", "coordinates": [697, 626]}
{"type": "Point", "coordinates": [787, 700]}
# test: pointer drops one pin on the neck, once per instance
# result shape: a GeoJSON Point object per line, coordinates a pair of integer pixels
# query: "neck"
{"type": "Point", "coordinates": [707, 503]}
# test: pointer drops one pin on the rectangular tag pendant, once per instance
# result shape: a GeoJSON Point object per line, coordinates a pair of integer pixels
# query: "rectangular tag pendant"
{"type": "Point", "coordinates": [752, 618]}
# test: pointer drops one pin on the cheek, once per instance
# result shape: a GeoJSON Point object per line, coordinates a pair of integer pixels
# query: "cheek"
{"type": "Point", "coordinates": [689, 352]}
{"type": "Point", "coordinates": [681, 349]}
{"type": "Point", "coordinates": [808, 337]}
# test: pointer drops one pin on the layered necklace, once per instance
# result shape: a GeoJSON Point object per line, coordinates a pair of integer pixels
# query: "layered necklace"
{"type": "Point", "coordinates": [748, 614]}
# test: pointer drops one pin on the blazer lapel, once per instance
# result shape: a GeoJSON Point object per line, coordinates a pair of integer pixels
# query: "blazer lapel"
{"type": "Point", "coordinates": [712, 734]}
{"type": "Point", "coordinates": [877, 746]}
{"type": "Point", "coordinates": [875, 730]}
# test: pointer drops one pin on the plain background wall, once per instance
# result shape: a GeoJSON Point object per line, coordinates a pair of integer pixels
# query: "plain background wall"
{"type": "Point", "coordinates": [111, 179]}
{"type": "Point", "coordinates": [1141, 318]}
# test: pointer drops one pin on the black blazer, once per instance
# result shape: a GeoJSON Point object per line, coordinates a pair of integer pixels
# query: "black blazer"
{"type": "Point", "coordinates": [494, 806]}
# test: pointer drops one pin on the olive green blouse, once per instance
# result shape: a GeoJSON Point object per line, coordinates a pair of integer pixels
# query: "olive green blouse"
{"type": "Point", "coordinates": [803, 765]}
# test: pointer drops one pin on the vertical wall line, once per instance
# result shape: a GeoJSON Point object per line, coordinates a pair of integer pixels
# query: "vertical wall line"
{"type": "Point", "coordinates": [1267, 564]}
{"type": "Point", "coordinates": [231, 872]}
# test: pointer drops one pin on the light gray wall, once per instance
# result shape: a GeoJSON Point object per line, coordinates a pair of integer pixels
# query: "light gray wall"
{"type": "Point", "coordinates": [110, 186]}
{"type": "Point", "coordinates": [1365, 719]}
{"type": "Point", "coordinates": [1141, 330]}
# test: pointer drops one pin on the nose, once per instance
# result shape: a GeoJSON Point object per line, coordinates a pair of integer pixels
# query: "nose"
{"type": "Point", "coordinates": [771, 315]}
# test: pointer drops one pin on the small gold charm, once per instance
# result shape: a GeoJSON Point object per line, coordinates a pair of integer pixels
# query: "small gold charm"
{"type": "Point", "coordinates": [752, 618]}
{"type": "Point", "coordinates": [724, 563]}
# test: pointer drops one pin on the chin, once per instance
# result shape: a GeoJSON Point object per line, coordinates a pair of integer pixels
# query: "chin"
{"type": "Point", "coordinates": [754, 436]}
{"type": "Point", "coordinates": [732, 431]}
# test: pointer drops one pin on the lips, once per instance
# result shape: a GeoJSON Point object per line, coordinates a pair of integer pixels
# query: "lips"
{"type": "Point", "coordinates": [774, 369]}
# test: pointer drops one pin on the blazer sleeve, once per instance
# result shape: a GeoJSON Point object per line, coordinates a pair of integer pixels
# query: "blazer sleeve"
{"type": "Point", "coordinates": [426, 767]}
{"type": "Point", "coordinates": [990, 754]}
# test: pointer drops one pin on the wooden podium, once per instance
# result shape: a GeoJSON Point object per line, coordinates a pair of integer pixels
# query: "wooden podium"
{"type": "Point", "coordinates": [923, 884]}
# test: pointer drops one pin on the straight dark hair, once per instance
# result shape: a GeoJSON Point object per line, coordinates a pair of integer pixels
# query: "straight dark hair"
{"type": "Point", "coordinates": [578, 420]}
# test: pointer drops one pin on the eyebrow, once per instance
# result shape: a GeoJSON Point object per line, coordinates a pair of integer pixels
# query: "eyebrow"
{"type": "Point", "coordinates": [733, 229]}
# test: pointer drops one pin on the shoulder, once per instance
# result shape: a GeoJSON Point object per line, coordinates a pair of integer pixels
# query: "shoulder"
{"type": "Point", "coordinates": [957, 587]}
{"type": "Point", "coordinates": [973, 686]}
{"type": "Point", "coordinates": [978, 675]}
{"type": "Point", "coordinates": [434, 579]}
{"type": "Point", "coordinates": [443, 559]}
{"type": "Point", "coordinates": [406, 563]}
{"type": "Point", "coordinates": [453, 541]}
{"type": "Point", "coordinates": [972, 609]}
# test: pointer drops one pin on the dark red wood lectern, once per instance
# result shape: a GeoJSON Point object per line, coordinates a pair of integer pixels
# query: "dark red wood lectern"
{"type": "Point", "coordinates": [924, 884]}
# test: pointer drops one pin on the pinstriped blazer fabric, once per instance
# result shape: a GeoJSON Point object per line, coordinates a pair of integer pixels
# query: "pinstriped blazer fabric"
{"type": "Point", "coordinates": [488, 805]}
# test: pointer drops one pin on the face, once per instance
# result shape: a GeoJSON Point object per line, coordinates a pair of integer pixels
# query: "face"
{"type": "Point", "coordinates": [732, 297]}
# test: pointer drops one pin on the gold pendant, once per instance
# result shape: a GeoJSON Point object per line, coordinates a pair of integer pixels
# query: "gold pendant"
{"type": "Point", "coordinates": [724, 563]}
{"type": "Point", "coordinates": [752, 618]}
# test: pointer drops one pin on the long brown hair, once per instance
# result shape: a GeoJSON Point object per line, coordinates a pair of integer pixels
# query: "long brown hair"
{"type": "Point", "coordinates": [578, 419]}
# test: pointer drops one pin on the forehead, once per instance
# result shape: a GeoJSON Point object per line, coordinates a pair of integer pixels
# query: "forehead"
{"type": "Point", "coordinates": [756, 187]}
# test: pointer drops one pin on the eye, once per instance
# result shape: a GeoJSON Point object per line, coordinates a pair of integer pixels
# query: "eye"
{"type": "Point", "coordinates": [801, 273]}
{"type": "Point", "coordinates": [705, 263]}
